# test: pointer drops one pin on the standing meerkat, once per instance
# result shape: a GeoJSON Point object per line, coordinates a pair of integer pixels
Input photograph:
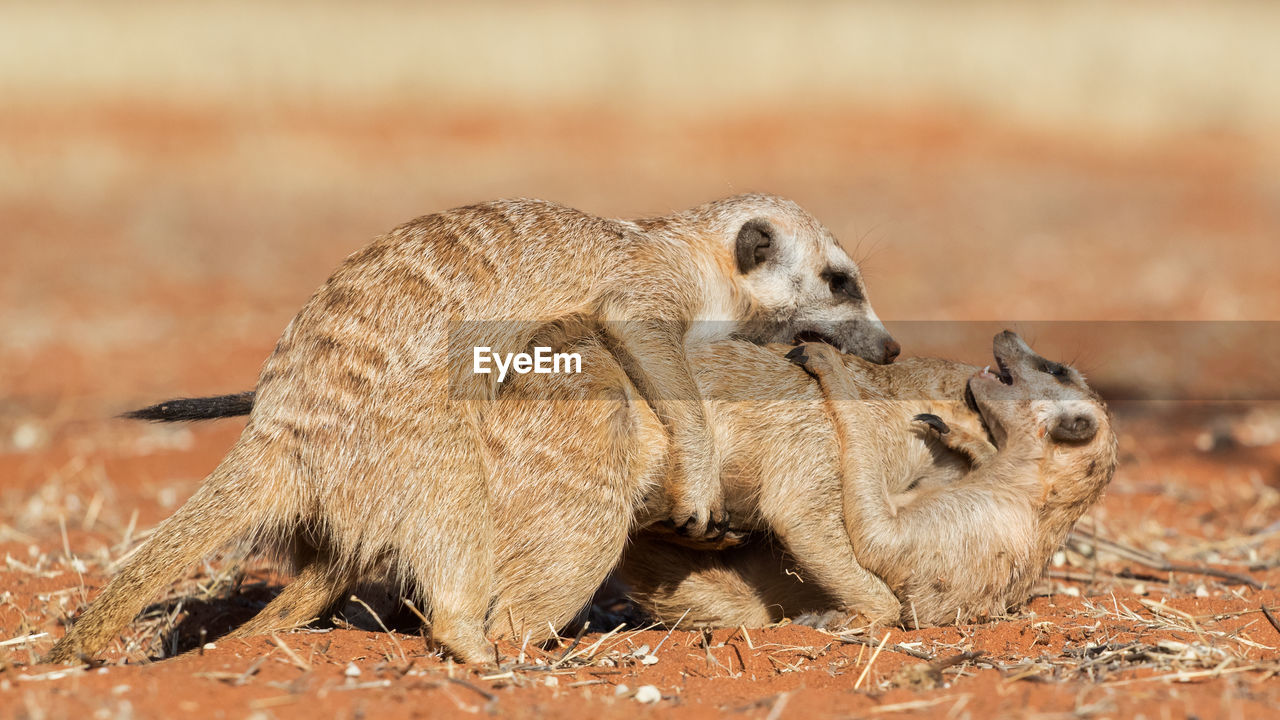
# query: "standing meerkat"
{"type": "Point", "coordinates": [953, 548]}
{"type": "Point", "coordinates": [365, 445]}
{"type": "Point", "coordinates": [579, 467]}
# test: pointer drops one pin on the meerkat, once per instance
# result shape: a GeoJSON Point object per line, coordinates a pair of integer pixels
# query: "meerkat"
{"type": "Point", "coordinates": [366, 443]}
{"type": "Point", "coordinates": [579, 468]}
{"type": "Point", "coordinates": [953, 549]}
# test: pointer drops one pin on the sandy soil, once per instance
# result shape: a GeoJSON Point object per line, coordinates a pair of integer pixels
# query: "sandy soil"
{"type": "Point", "coordinates": [158, 251]}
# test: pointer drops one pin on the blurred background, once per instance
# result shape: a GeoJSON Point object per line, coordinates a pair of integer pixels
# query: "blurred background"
{"type": "Point", "coordinates": [177, 178]}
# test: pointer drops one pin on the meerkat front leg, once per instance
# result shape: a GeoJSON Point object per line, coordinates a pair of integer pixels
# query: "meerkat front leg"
{"type": "Point", "coordinates": [652, 354]}
{"type": "Point", "coordinates": [867, 513]}
{"type": "Point", "coordinates": [976, 448]}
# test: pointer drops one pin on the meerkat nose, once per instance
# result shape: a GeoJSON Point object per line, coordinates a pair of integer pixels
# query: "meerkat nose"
{"type": "Point", "coordinates": [891, 350]}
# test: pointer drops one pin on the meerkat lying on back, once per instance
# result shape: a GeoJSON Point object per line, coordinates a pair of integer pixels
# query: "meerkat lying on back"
{"type": "Point", "coordinates": [366, 443]}
{"type": "Point", "coordinates": [952, 548]}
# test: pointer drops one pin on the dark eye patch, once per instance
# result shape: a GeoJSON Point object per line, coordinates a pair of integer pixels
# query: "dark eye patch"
{"type": "Point", "coordinates": [1059, 371]}
{"type": "Point", "coordinates": [843, 284]}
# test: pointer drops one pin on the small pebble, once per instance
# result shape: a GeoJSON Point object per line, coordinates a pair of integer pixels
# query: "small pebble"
{"type": "Point", "coordinates": [351, 671]}
{"type": "Point", "coordinates": [1202, 591]}
{"type": "Point", "coordinates": [649, 660]}
{"type": "Point", "coordinates": [621, 689]}
{"type": "Point", "coordinates": [648, 694]}
{"type": "Point", "coordinates": [1139, 589]}
{"type": "Point", "coordinates": [551, 681]}
{"type": "Point", "coordinates": [210, 646]}
{"type": "Point", "coordinates": [26, 436]}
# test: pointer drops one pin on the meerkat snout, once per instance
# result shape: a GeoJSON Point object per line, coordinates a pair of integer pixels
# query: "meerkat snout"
{"type": "Point", "coordinates": [1073, 427]}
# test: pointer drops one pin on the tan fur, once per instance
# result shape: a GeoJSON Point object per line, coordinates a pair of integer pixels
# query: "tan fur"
{"type": "Point", "coordinates": [951, 548]}
{"type": "Point", "coordinates": [368, 448]}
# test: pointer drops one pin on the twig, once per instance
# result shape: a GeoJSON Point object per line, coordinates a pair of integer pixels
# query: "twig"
{"type": "Point", "coordinates": [896, 648]}
{"type": "Point", "coordinates": [576, 641]}
{"type": "Point", "coordinates": [293, 656]}
{"type": "Point", "coordinates": [673, 629]}
{"type": "Point", "coordinates": [918, 704]}
{"type": "Point", "coordinates": [249, 671]}
{"type": "Point", "coordinates": [778, 706]}
{"type": "Point", "coordinates": [414, 609]}
{"type": "Point", "coordinates": [871, 662]}
{"type": "Point", "coordinates": [37, 636]}
{"type": "Point", "coordinates": [489, 698]}
{"type": "Point", "coordinates": [1157, 562]}
{"type": "Point", "coordinates": [590, 652]}
{"type": "Point", "coordinates": [1236, 578]}
{"type": "Point", "coordinates": [1195, 675]}
{"type": "Point", "coordinates": [403, 658]}
{"type": "Point", "coordinates": [957, 659]}
{"type": "Point", "coordinates": [1271, 618]}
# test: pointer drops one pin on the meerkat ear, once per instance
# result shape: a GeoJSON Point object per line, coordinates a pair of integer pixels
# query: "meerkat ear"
{"type": "Point", "coordinates": [1073, 427]}
{"type": "Point", "coordinates": [756, 244]}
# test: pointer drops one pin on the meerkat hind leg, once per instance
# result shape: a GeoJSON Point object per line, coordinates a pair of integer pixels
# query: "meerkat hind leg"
{"type": "Point", "coordinates": [316, 589]}
{"type": "Point", "coordinates": [445, 544]}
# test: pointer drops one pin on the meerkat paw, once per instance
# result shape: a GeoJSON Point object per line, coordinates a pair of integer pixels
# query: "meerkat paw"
{"type": "Point", "coordinates": [975, 447]}
{"type": "Point", "coordinates": [816, 358]}
{"type": "Point", "coordinates": [467, 644]}
{"type": "Point", "coordinates": [707, 524]}
{"type": "Point", "coordinates": [823, 620]}
{"type": "Point", "coordinates": [668, 533]}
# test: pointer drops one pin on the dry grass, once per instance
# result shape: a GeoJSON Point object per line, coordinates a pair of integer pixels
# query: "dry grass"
{"type": "Point", "coordinates": [1140, 640]}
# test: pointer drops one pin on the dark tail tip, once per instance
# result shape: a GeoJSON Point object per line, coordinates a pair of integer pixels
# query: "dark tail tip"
{"type": "Point", "coordinates": [191, 409]}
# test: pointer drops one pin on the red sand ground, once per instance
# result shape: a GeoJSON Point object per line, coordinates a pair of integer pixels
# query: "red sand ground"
{"type": "Point", "coordinates": [159, 252]}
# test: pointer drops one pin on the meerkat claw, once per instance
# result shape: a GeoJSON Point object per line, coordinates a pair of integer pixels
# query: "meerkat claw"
{"type": "Point", "coordinates": [934, 422]}
{"type": "Point", "coordinates": [797, 355]}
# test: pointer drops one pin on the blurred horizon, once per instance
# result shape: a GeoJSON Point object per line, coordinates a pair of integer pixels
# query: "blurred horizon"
{"type": "Point", "coordinates": [1122, 69]}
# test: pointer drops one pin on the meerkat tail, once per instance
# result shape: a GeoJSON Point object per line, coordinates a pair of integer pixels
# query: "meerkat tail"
{"type": "Point", "coordinates": [216, 515]}
{"type": "Point", "coordinates": [191, 409]}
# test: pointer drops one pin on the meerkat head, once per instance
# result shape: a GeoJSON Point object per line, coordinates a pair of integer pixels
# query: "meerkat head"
{"type": "Point", "coordinates": [1046, 402]}
{"type": "Point", "coordinates": [800, 285]}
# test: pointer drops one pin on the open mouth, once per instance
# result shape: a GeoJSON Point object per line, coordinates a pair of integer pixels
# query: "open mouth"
{"type": "Point", "coordinates": [972, 403]}
{"type": "Point", "coordinates": [1003, 374]}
